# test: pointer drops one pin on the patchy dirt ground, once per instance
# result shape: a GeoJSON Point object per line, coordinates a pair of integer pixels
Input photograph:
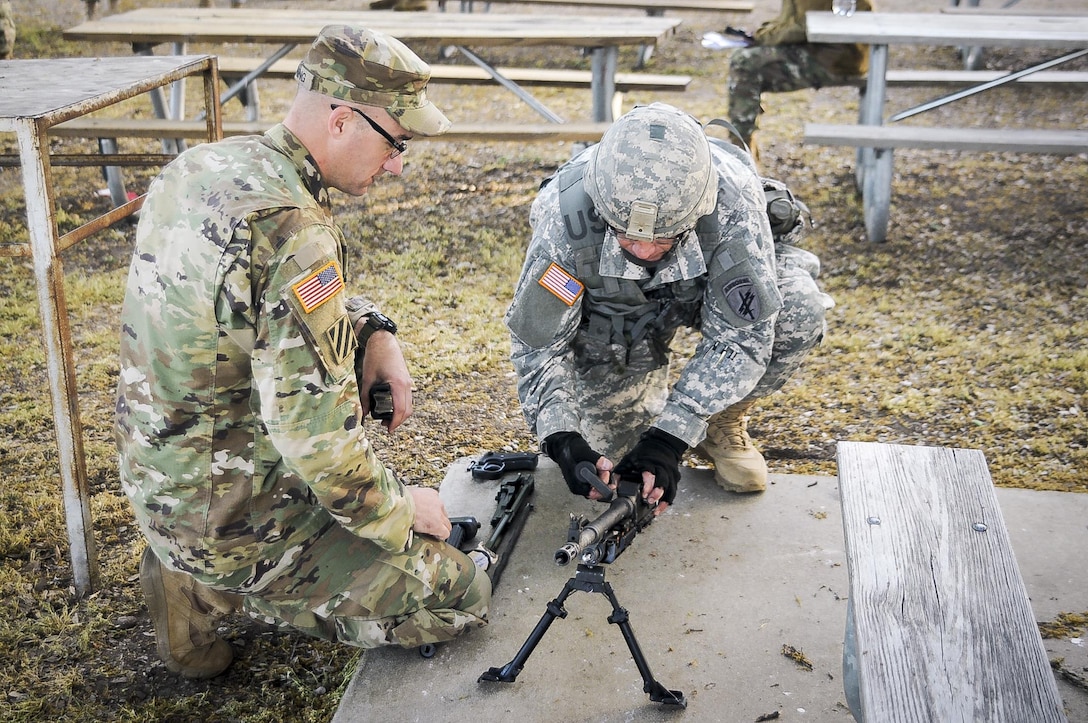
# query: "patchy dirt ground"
{"type": "Point", "coordinates": [967, 328]}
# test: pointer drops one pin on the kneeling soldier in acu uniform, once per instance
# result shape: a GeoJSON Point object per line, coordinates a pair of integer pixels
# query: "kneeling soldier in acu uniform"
{"type": "Point", "coordinates": [654, 228]}
{"type": "Point", "coordinates": [244, 384]}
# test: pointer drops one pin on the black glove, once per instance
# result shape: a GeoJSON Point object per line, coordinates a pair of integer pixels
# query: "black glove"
{"type": "Point", "coordinates": [658, 453]}
{"type": "Point", "coordinates": [567, 449]}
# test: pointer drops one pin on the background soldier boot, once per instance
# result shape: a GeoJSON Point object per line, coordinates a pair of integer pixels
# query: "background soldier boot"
{"type": "Point", "coordinates": [7, 31]}
{"type": "Point", "coordinates": [184, 614]}
{"type": "Point", "coordinates": [738, 465]}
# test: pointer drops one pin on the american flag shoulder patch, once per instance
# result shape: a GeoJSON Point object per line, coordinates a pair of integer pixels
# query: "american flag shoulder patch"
{"type": "Point", "coordinates": [319, 287]}
{"type": "Point", "coordinates": [563, 285]}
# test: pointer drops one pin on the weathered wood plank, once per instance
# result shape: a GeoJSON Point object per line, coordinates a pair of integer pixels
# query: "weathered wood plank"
{"type": "Point", "coordinates": [474, 75]}
{"type": "Point", "coordinates": [156, 128]}
{"type": "Point", "coordinates": [1060, 142]}
{"type": "Point", "coordinates": [882, 28]}
{"type": "Point", "coordinates": [264, 25]}
{"type": "Point", "coordinates": [908, 76]}
{"type": "Point", "coordinates": [728, 6]}
{"type": "Point", "coordinates": [944, 629]}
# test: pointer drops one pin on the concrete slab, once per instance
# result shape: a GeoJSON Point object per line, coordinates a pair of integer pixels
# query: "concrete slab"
{"type": "Point", "coordinates": [738, 602]}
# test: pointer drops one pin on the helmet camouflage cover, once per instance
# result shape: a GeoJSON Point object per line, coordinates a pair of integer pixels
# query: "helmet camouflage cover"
{"type": "Point", "coordinates": [651, 175]}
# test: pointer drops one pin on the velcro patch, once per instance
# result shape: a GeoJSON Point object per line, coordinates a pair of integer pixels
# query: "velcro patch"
{"type": "Point", "coordinates": [319, 287]}
{"type": "Point", "coordinates": [740, 293]}
{"type": "Point", "coordinates": [341, 339]}
{"type": "Point", "coordinates": [565, 287]}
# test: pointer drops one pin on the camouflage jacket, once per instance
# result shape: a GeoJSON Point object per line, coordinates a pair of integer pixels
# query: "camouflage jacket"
{"type": "Point", "coordinates": [552, 327]}
{"type": "Point", "coordinates": [238, 419]}
{"type": "Point", "coordinates": [789, 28]}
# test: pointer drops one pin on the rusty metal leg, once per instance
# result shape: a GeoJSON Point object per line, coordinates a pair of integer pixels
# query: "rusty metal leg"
{"type": "Point", "coordinates": [56, 335]}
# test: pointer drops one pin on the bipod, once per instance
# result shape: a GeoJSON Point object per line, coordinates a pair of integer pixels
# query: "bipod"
{"type": "Point", "coordinates": [588, 578]}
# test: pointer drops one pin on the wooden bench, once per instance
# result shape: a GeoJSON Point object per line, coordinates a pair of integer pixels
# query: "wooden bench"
{"type": "Point", "coordinates": [876, 143]}
{"type": "Point", "coordinates": [1027, 140]}
{"type": "Point", "coordinates": [876, 146]}
{"type": "Point", "coordinates": [157, 128]}
{"type": "Point", "coordinates": [107, 130]}
{"type": "Point", "coordinates": [234, 68]}
{"type": "Point", "coordinates": [965, 78]}
{"type": "Point", "coordinates": [939, 626]}
{"type": "Point", "coordinates": [651, 7]}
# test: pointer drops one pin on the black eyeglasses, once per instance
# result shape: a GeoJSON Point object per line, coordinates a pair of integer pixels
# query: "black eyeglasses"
{"type": "Point", "coordinates": [399, 147]}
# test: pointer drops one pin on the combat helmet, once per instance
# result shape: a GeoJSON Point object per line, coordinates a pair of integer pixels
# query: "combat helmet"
{"type": "Point", "coordinates": [651, 175]}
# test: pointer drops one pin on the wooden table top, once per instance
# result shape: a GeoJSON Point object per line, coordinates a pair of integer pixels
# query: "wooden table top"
{"type": "Point", "coordinates": [62, 88]}
{"type": "Point", "coordinates": [949, 29]}
{"type": "Point", "coordinates": [252, 25]}
{"type": "Point", "coordinates": [732, 6]}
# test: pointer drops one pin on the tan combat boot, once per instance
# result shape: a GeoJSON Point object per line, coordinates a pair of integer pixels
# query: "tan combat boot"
{"type": "Point", "coordinates": [738, 465]}
{"type": "Point", "coordinates": [184, 613]}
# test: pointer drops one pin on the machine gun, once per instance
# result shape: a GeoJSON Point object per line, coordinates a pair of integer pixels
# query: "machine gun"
{"type": "Point", "coordinates": [596, 543]}
{"type": "Point", "coordinates": [601, 541]}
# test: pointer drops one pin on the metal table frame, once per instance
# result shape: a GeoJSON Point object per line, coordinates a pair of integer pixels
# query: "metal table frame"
{"type": "Point", "coordinates": [879, 30]}
{"type": "Point", "coordinates": [36, 95]}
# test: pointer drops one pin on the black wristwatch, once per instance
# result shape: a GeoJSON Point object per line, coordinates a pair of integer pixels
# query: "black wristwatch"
{"type": "Point", "coordinates": [375, 321]}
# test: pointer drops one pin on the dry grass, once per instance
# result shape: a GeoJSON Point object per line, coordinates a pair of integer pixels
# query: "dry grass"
{"type": "Point", "coordinates": [967, 328]}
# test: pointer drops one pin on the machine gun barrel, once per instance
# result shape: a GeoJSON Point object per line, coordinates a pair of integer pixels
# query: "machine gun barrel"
{"type": "Point", "coordinates": [620, 509]}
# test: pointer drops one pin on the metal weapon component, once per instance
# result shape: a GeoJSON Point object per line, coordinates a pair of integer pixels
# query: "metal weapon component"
{"type": "Point", "coordinates": [597, 542]}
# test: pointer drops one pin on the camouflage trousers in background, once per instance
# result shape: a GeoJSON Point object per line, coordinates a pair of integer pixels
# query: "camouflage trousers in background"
{"type": "Point", "coordinates": [347, 589]}
{"type": "Point", "coordinates": [7, 31]}
{"type": "Point", "coordinates": [772, 69]}
{"type": "Point", "coordinates": [616, 410]}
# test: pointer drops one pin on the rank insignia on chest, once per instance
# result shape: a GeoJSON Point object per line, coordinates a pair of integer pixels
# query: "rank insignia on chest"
{"type": "Point", "coordinates": [319, 287]}
{"type": "Point", "coordinates": [562, 284]}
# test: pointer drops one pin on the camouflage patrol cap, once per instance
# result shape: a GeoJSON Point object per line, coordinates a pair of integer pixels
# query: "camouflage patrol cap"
{"type": "Point", "coordinates": [651, 175]}
{"type": "Point", "coordinates": [371, 68]}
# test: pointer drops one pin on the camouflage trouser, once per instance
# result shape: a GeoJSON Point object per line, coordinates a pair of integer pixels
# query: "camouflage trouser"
{"type": "Point", "coordinates": [772, 69]}
{"type": "Point", "coordinates": [7, 31]}
{"type": "Point", "coordinates": [345, 588]}
{"type": "Point", "coordinates": [616, 410]}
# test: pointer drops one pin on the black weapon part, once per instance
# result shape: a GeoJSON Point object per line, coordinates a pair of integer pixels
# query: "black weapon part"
{"type": "Point", "coordinates": [511, 511]}
{"type": "Point", "coordinates": [464, 530]}
{"type": "Point", "coordinates": [590, 579]}
{"type": "Point", "coordinates": [586, 472]}
{"type": "Point", "coordinates": [493, 465]}
{"type": "Point", "coordinates": [381, 401]}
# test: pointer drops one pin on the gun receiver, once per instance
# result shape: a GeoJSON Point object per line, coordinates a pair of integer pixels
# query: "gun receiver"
{"type": "Point", "coordinates": [601, 541]}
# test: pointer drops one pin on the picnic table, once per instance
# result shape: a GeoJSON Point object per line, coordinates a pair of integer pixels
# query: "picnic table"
{"type": "Point", "coordinates": [876, 141]}
{"type": "Point", "coordinates": [651, 7]}
{"type": "Point", "coordinates": [601, 36]}
{"type": "Point", "coordinates": [34, 96]}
